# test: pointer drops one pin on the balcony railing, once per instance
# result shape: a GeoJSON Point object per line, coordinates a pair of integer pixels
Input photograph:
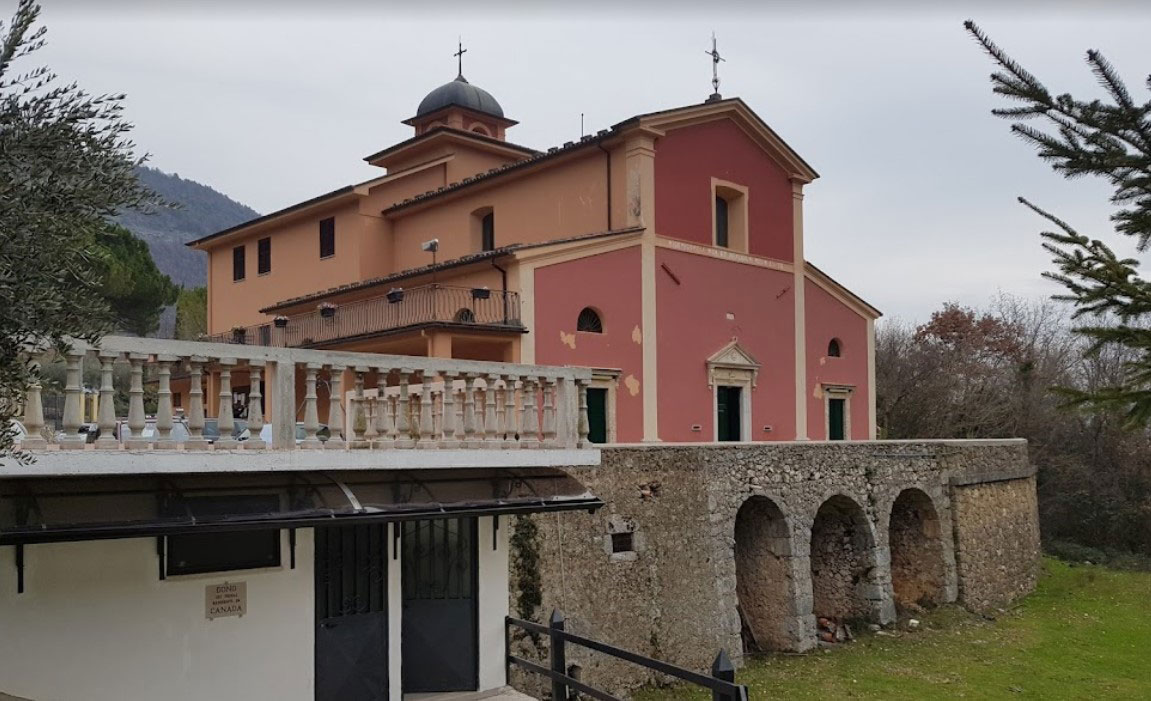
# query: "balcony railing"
{"type": "Point", "coordinates": [399, 309]}
{"type": "Point", "coordinates": [374, 402]}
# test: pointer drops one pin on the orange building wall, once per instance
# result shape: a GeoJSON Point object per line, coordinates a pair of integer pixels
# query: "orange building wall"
{"type": "Point", "coordinates": [296, 268]}
{"type": "Point", "coordinates": [564, 200]}
{"type": "Point", "coordinates": [685, 162]}
{"type": "Point", "coordinates": [693, 326]}
{"type": "Point", "coordinates": [610, 284]}
{"type": "Point", "coordinates": [829, 318]}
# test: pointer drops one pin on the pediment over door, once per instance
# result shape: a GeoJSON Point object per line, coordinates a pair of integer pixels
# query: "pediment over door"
{"type": "Point", "coordinates": [732, 364]}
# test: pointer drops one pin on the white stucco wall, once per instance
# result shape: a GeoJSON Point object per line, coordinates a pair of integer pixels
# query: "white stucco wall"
{"type": "Point", "coordinates": [97, 624]}
{"type": "Point", "coordinates": [493, 601]}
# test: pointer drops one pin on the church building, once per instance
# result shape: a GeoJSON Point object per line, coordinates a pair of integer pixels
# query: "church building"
{"type": "Point", "coordinates": [666, 253]}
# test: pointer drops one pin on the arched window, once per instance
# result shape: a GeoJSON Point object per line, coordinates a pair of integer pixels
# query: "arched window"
{"type": "Point", "coordinates": [488, 232]}
{"type": "Point", "coordinates": [481, 130]}
{"type": "Point", "coordinates": [721, 238]}
{"type": "Point", "coordinates": [465, 316]}
{"type": "Point", "coordinates": [833, 350]}
{"type": "Point", "coordinates": [589, 321]}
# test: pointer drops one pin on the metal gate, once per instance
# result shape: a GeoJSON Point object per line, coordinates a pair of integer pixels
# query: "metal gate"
{"type": "Point", "coordinates": [439, 622]}
{"type": "Point", "coordinates": [351, 613]}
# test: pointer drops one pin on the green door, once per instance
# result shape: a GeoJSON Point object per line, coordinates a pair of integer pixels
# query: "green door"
{"type": "Point", "coordinates": [597, 414]}
{"type": "Point", "coordinates": [836, 419]}
{"type": "Point", "coordinates": [727, 412]}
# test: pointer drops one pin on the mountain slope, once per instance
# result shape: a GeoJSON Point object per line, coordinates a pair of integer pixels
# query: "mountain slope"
{"type": "Point", "coordinates": [199, 211]}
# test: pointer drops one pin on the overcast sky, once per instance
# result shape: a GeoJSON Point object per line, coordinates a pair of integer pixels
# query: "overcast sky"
{"type": "Point", "coordinates": [916, 203]}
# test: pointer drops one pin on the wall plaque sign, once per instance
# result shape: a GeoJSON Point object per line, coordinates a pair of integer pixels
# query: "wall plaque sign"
{"type": "Point", "coordinates": [227, 599]}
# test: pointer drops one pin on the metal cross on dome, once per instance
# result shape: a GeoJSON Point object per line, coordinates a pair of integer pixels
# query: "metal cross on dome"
{"type": "Point", "coordinates": [459, 54]}
{"type": "Point", "coordinates": [715, 59]}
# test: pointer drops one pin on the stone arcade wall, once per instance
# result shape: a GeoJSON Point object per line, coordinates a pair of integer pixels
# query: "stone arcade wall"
{"type": "Point", "coordinates": [700, 570]}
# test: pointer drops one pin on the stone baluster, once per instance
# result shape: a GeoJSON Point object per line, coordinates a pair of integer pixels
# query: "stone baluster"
{"type": "Point", "coordinates": [255, 407]}
{"type": "Point", "coordinates": [459, 399]}
{"type": "Point", "coordinates": [196, 440]}
{"type": "Point", "coordinates": [426, 427]}
{"type": "Point", "coordinates": [510, 425]}
{"type": "Point", "coordinates": [492, 438]}
{"type": "Point", "coordinates": [224, 418]}
{"type": "Point", "coordinates": [403, 412]}
{"type": "Point", "coordinates": [501, 414]}
{"type": "Point", "coordinates": [335, 407]}
{"type": "Point", "coordinates": [470, 411]}
{"type": "Point", "coordinates": [311, 412]}
{"type": "Point", "coordinates": [164, 402]}
{"type": "Point", "coordinates": [136, 419]}
{"type": "Point", "coordinates": [372, 431]}
{"type": "Point", "coordinates": [583, 426]}
{"type": "Point", "coordinates": [449, 411]}
{"type": "Point", "coordinates": [548, 385]}
{"type": "Point", "coordinates": [73, 402]}
{"type": "Point", "coordinates": [530, 426]}
{"type": "Point", "coordinates": [360, 418]}
{"type": "Point", "coordinates": [34, 413]}
{"type": "Point", "coordinates": [107, 409]}
{"type": "Point", "coordinates": [385, 435]}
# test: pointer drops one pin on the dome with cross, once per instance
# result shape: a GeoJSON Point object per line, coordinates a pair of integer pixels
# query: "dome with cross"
{"type": "Point", "coordinates": [460, 93]}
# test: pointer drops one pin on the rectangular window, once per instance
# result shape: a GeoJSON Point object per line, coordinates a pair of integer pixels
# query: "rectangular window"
{"type": "Point", "coordinates": [728, 412]}
{"type": "Point", "coordinates": [327, 237]}
{"type": "Point", "coordinates": [622, 542]}
{"type": "Point", "coordinates": [721, 238]}
{"type": "Point", "coordinates": [488, 232]}
{"type": "Point", "coordinates": [239, 269]}
{"type": "Point", "coordinates": [836, 419]}
{"type": "Point", "coordinates": [221, 552]}
{"type": "Point", "coordinates": [264, 256]}
{"type": "Point", "coordinates": [597, 414]}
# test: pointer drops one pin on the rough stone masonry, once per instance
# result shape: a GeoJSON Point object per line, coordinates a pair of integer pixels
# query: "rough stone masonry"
{"type": "Point", "coordinates": [745, 546]}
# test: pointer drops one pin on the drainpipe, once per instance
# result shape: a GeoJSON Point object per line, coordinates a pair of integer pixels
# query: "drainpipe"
{"type": "Point", "coordinates": [608, 154]}
{"type": "Point", "coordinates": [504, 275]}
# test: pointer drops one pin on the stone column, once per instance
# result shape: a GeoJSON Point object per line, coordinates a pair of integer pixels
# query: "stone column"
{"type": "Point", "coordinates": [136, 440]}
{"type": "Point", "coordinates": [491, 425]}
{"type": "Point", "coordinates": [426, 437]}
{"type": "Point", "coordinates": [336, 407]}
{"type": "Point", "coordinates": [449, 411]}
{"type": "Point", "coordinates": [224, 419]}
{"type": "Point", "coordinates": [403, 413]}
{"type": "Point", "coordinates": [107, 439]}
{"type": "Point", "coordinates": [548, 385]}
{"type": "Point", "coordinates": [164, 403]}
{"type": "Point", "coordinates": [255, 407]}
{"type": "Point", "coordinates": [530, 426]}
{"type": "Point", "coordinates": [583, 426]}
{"type": "Point", "coordinates": [196, 440]}
{"type": "Point", "coordinates": [511, 426]}
{"type": "Point", "coordinates": [311, 414]}
{"type": "Point", "coordinates": [73, 403]}
{"type": "Point", "coordinates": [34, 413]}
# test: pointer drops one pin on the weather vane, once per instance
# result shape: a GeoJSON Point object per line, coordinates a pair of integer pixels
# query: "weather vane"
{"type": "Point", "coordinates": [715, 59]}
{"type": "Point", "coordinates": [459, 54]}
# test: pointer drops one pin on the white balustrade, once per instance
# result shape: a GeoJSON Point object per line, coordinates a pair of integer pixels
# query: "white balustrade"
{"type": "Point", "coordinates": [416, 402]}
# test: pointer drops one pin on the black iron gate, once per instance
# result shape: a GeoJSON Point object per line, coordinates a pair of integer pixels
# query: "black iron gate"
{"type": "Point", "coordinates": [352, 613]}
{"type": "Point", "coordinates": [439, 622]}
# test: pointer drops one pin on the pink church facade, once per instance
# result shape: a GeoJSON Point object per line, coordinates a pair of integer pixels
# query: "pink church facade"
{"type": "Point", "coordinates": [665, 253]}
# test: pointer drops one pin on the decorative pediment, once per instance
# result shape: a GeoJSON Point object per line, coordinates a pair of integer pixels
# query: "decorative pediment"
{"type": "Point", "coordinates": [732, 364]}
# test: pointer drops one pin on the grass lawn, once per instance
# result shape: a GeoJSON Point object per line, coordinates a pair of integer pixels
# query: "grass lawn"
{"type": "Point", "coordinates": [1084, 634]}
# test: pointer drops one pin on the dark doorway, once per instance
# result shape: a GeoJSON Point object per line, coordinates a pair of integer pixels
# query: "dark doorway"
{"type": "Point", "coordinates": [352, 613]}
{"type": "Point", "coordinates": [836, 419]}
{"type": "Point", "coordinates": [597, 414]}
{"type": "Point", "coordinates": [440, 624]}
{"type": "Point", "coordinates": [728, 406]}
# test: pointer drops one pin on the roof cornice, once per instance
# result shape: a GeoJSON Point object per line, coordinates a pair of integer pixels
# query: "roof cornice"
{"type": "Point", "coordinates": [451, 134]}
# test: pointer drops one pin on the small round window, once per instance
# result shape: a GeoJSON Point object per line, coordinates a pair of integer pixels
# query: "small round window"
{"type": "Point", "coordinates": [589, 321]}
{"type": "Point", "coordinates": [833, 350]}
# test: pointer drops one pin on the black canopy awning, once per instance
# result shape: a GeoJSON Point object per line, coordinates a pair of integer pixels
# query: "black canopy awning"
{"type": "Point", "coordinates": [59, 509]}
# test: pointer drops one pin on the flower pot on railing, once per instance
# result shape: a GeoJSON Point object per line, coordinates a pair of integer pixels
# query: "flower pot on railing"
{"type": "Point", "coordinates": [239, 334]}
{"type": "Point", "coordinates": [396, 294]}
{"type": "Point", "coordinates": [327, 310]}
{"type": "Point", "coordinates": [481, 293]}
{"type": "Point", "coordinates": [280, 322]}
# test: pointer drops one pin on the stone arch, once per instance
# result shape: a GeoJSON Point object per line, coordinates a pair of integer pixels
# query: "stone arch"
{"type": "Point", "coordinates": [844, 578]}
{"type": "Point", "coordinates": [918, 570]}
{"type": "Point", "coordinates": [763, 576]}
